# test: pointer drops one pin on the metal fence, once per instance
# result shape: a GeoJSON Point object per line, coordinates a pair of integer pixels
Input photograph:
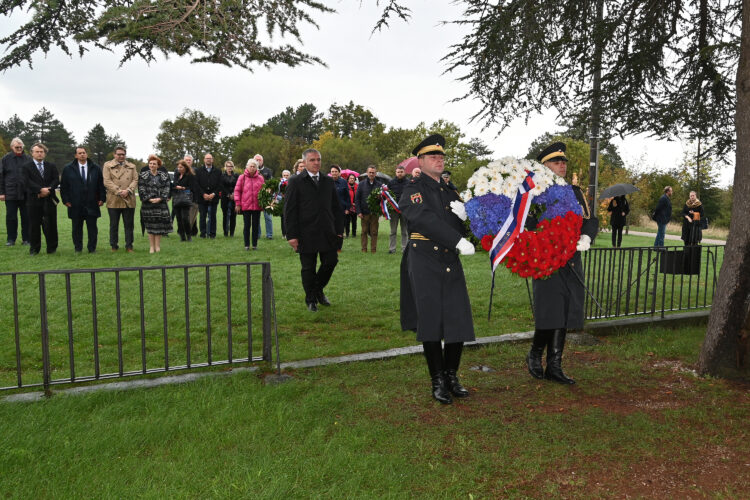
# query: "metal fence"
{"type": "Point", "coordinates": [92, 324]}
{"type": "Point", "coordinates": [649, 280]}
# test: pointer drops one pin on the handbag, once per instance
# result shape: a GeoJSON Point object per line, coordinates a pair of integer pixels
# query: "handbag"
{"type": "Point", "coordinates": [182, 198]}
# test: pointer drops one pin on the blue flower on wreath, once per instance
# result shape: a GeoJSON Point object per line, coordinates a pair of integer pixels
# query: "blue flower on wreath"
{"type": "Point", "coordinates": [487, 213]}
{"type": "Point", "coordinates": [558, 201]}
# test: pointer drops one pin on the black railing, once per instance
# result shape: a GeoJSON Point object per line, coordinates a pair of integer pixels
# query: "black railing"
{"type": "Point", "coordinates": [95, 324]}
{"type": "Point", "coordinates": [649, 280]}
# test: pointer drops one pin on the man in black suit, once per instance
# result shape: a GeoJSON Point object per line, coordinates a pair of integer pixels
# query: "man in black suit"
{"type": "Point", "coordinates": [314, 226]}
{"type": "Point", "coordinates": [209, 180]}
{"type": "Point", "coordinates": [41, 201]}
{"type": "Point", "coordinates": [82, 191]}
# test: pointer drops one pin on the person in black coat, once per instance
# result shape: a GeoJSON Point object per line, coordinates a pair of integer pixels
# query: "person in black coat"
{"type": "Point", "coordinates": [396, 187]}
{"type": "Point", "coordinates": [209, 180]}
{"type": "Point", "coordinates": [82, 191]}
{"type": "Point", "coordinates": [434, 299]}
{"type": "Point", "coordinates": [314, 226]}
{"type": "Point", "coordinates": [692, 214]}
{"type": "Point", "coordinates": [228, 182]}
{"type": "Point", "coordinates": [619, 209]}
{"type": "Point", "coordinates": [41, 179]}
{"type": "Point", "coordinates": [184, 180]}
{"type": "Point", "coordinates": [662, 215]}
{"type": "Point", "coordinates": [559, 299]}
{"type": "Point", "coordinates": [13, 192]}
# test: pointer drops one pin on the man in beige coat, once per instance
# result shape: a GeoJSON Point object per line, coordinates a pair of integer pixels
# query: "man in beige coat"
{"type": "Point", "coordinates": [120, 181]}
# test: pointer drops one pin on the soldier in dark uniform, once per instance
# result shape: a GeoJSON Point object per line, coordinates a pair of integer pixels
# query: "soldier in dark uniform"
{"type": "Point", "coordinates": [558, 300]}
{"type": "Point", "coordinates": [434, 299]}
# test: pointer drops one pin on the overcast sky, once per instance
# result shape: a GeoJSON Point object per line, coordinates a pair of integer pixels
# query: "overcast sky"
{"type": "Point", "coordinates": [397, 74]}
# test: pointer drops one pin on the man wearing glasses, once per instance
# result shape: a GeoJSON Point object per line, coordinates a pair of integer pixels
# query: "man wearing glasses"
{"type": "Point", "coordinates": [120, 181]}
{"type": "Point", "coordinates": [13, 192]}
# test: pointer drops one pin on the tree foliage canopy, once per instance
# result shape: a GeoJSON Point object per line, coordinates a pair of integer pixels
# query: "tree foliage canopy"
{"type": "Point", "coordinates": [228, 32]}
{"type": "Point", "coordinates": [192, 132]}
{"type": "Point", "coordinates": [667, 67]}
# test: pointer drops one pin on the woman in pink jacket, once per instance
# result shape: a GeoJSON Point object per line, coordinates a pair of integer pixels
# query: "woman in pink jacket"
{"type": "Point", "coordinates": [246, 201]}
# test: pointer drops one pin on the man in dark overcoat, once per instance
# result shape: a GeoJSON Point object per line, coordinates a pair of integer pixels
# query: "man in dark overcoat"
{"type": "Point", "coordinates": [82, 191]}
{"type": "Point", "coordinates": [13, 192]}
{"type": "Point", "coordinates": [559, 299]}
{"type": "Point", "coordinates": [41, 180]}
{"type": "Point", "coordinates": [434, 299]}
{"type": "Point", "coordinates": [662, 216]}
{"type": "Point", "coordinates": [314, 226]}
{"type": "Point", "coordinates": [209, 180]}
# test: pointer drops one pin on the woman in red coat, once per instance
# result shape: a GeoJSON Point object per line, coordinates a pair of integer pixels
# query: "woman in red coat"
{"type": "Point", "coordinates": [351, 211]}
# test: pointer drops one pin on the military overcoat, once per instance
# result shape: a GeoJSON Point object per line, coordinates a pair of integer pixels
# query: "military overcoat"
{"type": "Point", "coordinates": [559, 299]}
{"type": "Point", "coordinates": [434, 299]}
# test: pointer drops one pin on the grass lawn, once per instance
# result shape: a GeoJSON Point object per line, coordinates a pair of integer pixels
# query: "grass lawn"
{"type": "Point", "coordinates": [638, 424]}
{"type": "Point", "coordinates": [364, 291]}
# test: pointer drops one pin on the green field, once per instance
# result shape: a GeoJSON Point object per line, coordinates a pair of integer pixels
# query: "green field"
{"type": "Point", "coordinates": [364, 291]}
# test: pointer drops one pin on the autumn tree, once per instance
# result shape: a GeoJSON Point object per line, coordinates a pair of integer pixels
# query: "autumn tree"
{"type": "Point", "coordinates": [192, 132]}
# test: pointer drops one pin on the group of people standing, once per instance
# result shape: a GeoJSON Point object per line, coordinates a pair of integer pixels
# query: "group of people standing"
{"type": "Point", "coordinates": [29, 184]}
{"type": "Point", "coordinates": [693, 218]}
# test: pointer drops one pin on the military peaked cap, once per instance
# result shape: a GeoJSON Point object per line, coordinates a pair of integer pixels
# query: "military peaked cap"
{"type": "Point", "coordinates": [433, 145]}
{"type": "Point", "coordinates": [553, 152]}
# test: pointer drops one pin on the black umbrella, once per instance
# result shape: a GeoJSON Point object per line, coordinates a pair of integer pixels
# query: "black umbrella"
{"type": "Point", "coordinates": [618, 190]}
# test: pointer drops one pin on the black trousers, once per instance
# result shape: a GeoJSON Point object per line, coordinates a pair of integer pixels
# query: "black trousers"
{"type": "Point", "coordinates": [229, 219]}
{"type": "Point", "coordinates": [350, 219]}
{"type": "Point", "coordinates": [42, 217]}
{"type": "Point", "coordinates": [207, 221]}
{"type": "Point", "coordinates": [251, 222]}
{"type": "Point", "coordinates": [617, 237]}
{"type": "Point", "coordinates": [128, 215]}
{"type": "Point", "coordinates": [182, 214]}
{"type": "Point", "coordinates": [92, 232]}
{"type": "Point", "coordinates": [13, 208]}
{"type": "Point", "coordinates": [315, 281]}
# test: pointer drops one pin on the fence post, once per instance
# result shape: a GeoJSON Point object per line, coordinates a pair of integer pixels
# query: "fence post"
{"type": "Point", "coordinates": [45, 334]}
{"type": "Point", "coordinates": [267, 284]}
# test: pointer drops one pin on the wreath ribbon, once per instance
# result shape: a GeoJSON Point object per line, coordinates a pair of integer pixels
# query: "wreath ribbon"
{"type": "Point", "coordinates": [514, 225]}
{"type": "Point", "coordinates": [386, 198]}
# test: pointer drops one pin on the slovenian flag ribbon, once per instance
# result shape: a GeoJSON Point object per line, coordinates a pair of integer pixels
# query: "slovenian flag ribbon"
{"type": "Point", "coordinates": [514, 224]}
{"type": "Point", "coordinates": [386, 198]}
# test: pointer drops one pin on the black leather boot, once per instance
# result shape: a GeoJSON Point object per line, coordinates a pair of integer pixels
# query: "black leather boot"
{"type": "Point", "coordinates": [534, 357]}
{"type": "Point", "coordinates": [554, 358]}
{"type": "Point", "coordinates": [433, 353]}
{"type": "Point", "coordinates": [452, 360]}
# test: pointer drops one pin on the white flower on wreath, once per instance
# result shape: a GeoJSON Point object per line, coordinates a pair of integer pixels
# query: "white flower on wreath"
{"type": "Point", "coordinates": [466, 195]}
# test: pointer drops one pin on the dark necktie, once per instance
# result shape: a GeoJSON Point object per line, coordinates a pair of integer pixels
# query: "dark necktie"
{"type": "Point", "coordinates": [40, 167]}
{"type": "Point", "coordinates": [83, 172]}
{"type": "Point", "coordinates": [315, 178]}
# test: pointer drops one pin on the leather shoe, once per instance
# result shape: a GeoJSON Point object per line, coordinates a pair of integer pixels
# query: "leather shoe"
{"type": "Point", "coordinates": [26, 243]}
{"type": "Point", "coordinates": [323, 300]}
{"type": "Point", "coordinates": [312, 307]}
{"type": "Point", "coordinates": [10, 243]}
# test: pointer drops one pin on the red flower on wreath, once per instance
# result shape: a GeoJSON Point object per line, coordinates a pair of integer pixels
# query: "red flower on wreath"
{"type": "Point", "coordinates": [541, 252]}
{"type": "Point", "coordinates": [486, 242]}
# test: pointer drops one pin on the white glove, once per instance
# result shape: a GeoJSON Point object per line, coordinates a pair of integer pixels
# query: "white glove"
{"type": "Point", "coordinates": [464, 246]}
{"type": "Point", "coordinates": [584, 243]}
{"type": "Point", "coordinates": [458, 208]}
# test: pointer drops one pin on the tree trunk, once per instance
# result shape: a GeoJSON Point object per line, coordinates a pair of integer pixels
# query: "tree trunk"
{"type": "Point", "coordinates": [725, 350]}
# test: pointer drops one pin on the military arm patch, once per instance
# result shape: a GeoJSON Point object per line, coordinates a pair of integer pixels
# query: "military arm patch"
{"type": "Point", "coordinates": [416, 198]}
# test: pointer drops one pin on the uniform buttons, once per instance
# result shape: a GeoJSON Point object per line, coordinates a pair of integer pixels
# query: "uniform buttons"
{"type": "Point", "coordinates": [436, 248]}
{"type": "Point", "coordinates": [572, 264]}
{"type": "Point", "coordinates": [447, 269]}
{"type": "Point", "coordinates": [415, 245]}
{"type": "Point", "coordinates": [446, 250]}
